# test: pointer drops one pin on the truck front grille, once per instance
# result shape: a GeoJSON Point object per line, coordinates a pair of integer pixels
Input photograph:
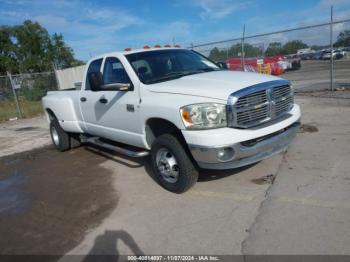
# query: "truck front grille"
{"type": "Point", "coordinates": [283, 99]}
{"type": "Point", "coordinates": [259, 105]}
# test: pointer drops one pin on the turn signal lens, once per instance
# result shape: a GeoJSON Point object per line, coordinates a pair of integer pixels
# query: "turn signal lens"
{"type": "Point", "coordinates": [186, 116]}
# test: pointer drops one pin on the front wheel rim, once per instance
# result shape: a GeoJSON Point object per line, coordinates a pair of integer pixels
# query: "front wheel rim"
{"type": "Point", "coordinates": [55, 137]}
{"type": "Point", "coordinates": [167, 165]}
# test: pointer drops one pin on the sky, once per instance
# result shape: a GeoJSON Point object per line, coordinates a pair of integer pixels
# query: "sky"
{"type": "Point", "coordinates": [94, 27]}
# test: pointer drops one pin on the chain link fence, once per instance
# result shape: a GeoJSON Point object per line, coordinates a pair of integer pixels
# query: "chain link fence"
{"type": "Point", "coordinates": [20, 95]}
{"type": "Point", "coordinates": [311, 57]}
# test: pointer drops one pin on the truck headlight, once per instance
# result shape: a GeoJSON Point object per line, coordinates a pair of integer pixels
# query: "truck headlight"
{"type": "Point", "coordinates": [204, 116]}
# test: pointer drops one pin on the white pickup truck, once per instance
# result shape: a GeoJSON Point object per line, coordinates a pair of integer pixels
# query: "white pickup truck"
{"type": "Point", "coordinates": [177, 106]}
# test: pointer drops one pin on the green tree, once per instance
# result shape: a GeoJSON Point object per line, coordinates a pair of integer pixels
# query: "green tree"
{"type": "Point", "coordinates": [249, 50]}
{"type": "Point", "coordinates": [7, 55]}
{"type": "Point", "coordinates": [274, 48]}
{"type": "Point", "coordinates": [343, 39]}
{"type": "Point", "coordinates": [292, 47]}
{"type": "Point", "coordinates": [60, 54]}
{"type": "Point", "coordinates": [32, 42]}
{"type": "Point", "coordinates": [234, 51]}
{"type": "Point", "coordinates": [217, 55]}
{"type": "Point", "coordinates": [29, 48]}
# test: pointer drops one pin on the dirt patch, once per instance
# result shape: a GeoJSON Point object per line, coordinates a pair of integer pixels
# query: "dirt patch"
{"type": "Point", "coordinates": [268, 179]}
{"type": "Point", "coordinates": [307, 128]}
{"type": "Point", "coordinates": [48, 200]}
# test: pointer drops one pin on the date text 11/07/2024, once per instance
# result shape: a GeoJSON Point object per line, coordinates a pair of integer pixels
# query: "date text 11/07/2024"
{"type": "Point", "coordinates": [173, 258]}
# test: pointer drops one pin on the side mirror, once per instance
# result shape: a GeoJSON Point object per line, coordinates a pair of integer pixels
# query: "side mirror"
{"type": "Point", "coordinates": [222, 65]}
{"type": "Point", "coordinates": [95, 80]}
{"type": "Point", "coordinates": [96, 84]}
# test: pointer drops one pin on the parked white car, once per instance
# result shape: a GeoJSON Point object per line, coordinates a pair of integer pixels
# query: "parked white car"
{"type": "Point", "coordinates": [178, 107]}
{"type": "Point", "coordinates": [337, 54]}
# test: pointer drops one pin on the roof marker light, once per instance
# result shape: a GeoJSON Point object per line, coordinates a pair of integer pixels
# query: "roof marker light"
{"type": "Point", "coordinates": [167, 45]}
{"type": "Point", "coordinates": [157, 46]}
{"type": "Point", "coordinates": [178, 46]}
{"type": "Point", "coordinates": [127, 49]}
{"type": "Point", "coordinates": [146, 47]}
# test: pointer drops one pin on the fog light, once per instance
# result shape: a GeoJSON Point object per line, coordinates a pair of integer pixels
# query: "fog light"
{"type": "Point", "coordinates": [225, 154]}
{"type": "Point", "coordinates": [221, 153]}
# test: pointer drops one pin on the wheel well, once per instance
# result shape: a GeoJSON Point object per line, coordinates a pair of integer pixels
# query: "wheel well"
{"type": "Point", "coordinates": [156, 127]}
{"type": "Point", "coordinates": [51, 114]}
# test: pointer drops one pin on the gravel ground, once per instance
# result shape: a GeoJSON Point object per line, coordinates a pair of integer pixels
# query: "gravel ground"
{"type": "Point", "coordinates": [23, 135]}
{"type": "Point", "coordinates": [314, 75]}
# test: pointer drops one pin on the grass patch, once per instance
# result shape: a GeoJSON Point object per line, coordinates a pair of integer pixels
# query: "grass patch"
{"type": "Point", "coordinates": [29, 109]}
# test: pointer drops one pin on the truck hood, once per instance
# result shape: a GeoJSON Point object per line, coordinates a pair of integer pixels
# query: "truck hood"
{"type": "Point", "coordinates": [216, 84]}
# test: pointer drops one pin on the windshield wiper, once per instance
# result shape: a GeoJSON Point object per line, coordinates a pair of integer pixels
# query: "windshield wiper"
{"type": "Point", "coordinates": [202, 70]}
{"type": "Point", "coordinates": [176, 75]}
{"type": "Point", "coordinates": [169, 76]}
{"type": "Point", "coordinates": [198, 71]}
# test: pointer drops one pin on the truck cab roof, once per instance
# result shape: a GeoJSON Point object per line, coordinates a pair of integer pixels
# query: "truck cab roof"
{"type": "Point", "coordinates": [133, 51]}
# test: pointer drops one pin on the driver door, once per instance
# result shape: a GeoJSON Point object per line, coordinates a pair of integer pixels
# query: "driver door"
{"type": "Point", "coordinates": [114, 114]}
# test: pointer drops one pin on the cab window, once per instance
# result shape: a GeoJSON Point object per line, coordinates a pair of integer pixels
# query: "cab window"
{"type": "Point", "coordinates": [94, 67]}
{"type": "Point", "coordinates": [114, 72]}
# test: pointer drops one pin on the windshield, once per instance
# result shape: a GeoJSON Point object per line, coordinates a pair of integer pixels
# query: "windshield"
{"type": "Point", "coordinates": [163, 65]}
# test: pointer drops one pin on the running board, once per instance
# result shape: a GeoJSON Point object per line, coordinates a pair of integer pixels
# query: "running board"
{"type": "Point", "coordinates": [127, 152]}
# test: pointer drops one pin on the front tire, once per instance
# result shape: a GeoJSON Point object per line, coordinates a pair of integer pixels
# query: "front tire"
{"type": "Point", "coordinates": [59, 137]}
{"type": "Point", "coordinates": [172, 165]}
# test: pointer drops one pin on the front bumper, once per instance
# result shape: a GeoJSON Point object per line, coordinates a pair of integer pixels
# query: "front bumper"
{"type": "Point", "coordinates": [244, 153]}
{"type": "Point", "coordinates": [226, 148]}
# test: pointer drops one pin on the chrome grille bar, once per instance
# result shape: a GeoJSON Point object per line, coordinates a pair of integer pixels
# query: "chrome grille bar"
{"type": "Point", "coordinates": [260, 103]}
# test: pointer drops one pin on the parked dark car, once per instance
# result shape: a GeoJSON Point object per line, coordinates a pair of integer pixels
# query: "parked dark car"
{"type": "Point", "coordinates": [318, 55]}
{"type": "Point", "coordinates": [308, 56]}
{"type": "Point", "coordinates": [339, 54]}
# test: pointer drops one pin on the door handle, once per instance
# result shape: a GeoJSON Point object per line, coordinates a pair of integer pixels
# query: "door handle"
{"type": "Point", "coordinates": [83, 99]}
{"type": "Point", "coordinates": [103, 100]}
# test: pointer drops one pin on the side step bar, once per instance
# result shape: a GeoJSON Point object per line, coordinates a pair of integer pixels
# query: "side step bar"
{"type": "Point", "coordinates": [124, 151]}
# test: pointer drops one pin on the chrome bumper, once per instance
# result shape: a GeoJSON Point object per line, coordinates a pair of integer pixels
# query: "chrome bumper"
{"type": "Point", "coordinates": [244, 153]}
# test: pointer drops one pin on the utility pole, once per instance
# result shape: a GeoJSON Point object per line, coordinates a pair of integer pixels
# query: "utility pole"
{"type": "Point", "coordinates": [19, 112]}
{"type": "Point", "coordinates": [331, 44]}
{"type": "Point", "coordinates": [242, 51]}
